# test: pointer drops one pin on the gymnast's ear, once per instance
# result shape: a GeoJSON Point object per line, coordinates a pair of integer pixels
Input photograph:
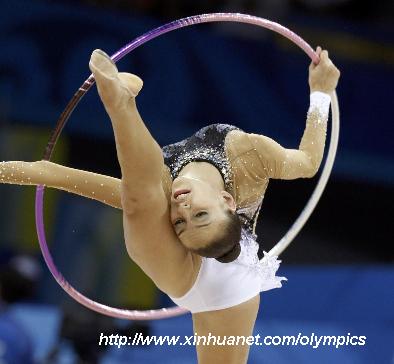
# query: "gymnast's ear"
{"type": "Point", "coordinates": [229, 201]}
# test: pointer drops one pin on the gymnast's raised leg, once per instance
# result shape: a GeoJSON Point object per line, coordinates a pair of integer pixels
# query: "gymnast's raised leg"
{"type": "Point", "coordinates": [150, 239]}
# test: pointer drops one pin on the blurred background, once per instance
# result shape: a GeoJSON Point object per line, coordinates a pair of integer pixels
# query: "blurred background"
{"type": "Point", "coordinates": [340, 271]}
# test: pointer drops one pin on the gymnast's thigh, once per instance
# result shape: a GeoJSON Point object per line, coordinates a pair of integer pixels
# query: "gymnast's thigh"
{"type": "Point", "coordinates": [152, 243]}
{"type": "Point", "coordinates": [234, 321]}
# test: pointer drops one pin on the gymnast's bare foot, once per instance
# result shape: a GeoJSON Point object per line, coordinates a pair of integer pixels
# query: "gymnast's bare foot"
{"type": "Point", "coordinates": [115, 88]}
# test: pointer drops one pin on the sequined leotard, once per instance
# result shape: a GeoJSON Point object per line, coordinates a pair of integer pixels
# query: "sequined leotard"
{"type": "Point", "coordinates": [213, 288]}
{"type": "Point", "coordinates": [207, 145]}
{"type": "Point", "coordinates": [246, 162]}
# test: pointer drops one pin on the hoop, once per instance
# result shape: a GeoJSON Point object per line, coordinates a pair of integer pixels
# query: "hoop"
{"type": "Point", "coordinates": [278, 248]}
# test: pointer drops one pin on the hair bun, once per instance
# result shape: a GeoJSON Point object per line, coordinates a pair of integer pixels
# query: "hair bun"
{"type": "Point", "coordinates": [231, 255]}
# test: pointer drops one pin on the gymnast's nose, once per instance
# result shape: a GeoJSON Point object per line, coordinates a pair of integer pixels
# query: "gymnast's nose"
{"type": "Point", "coordinates": [186, 205]}
{"type": "Point", "coordinates": [184, 201]}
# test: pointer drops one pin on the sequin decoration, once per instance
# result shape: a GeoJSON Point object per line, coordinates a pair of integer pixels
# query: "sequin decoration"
{"type": "Point", "coordinates": [206, 145]}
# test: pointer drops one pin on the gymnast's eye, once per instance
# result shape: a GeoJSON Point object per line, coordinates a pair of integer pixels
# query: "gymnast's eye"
{"type": "Point", "coordinates": [201, 213]}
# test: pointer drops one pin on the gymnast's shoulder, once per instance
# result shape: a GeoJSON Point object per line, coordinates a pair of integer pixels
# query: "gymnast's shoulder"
{"type": "Point", "coordinates": [238, 143]}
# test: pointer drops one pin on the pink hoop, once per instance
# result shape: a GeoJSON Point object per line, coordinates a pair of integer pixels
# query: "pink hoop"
{"type": "Point", "coordinates": [205, 18]}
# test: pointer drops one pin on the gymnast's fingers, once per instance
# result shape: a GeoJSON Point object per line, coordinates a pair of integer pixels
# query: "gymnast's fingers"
{"type": "Point", "coordinates": [324, 55]}
{"type": "Point", "coordinates": [324, 76]}
{"type": "Point", "coordinates": [327, 63]}
{"type": "Point", "coordinates": [313, 64]}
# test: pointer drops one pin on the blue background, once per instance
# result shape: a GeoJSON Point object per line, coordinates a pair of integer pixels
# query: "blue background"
{"type": "Point", "coordinates": [340, 266]}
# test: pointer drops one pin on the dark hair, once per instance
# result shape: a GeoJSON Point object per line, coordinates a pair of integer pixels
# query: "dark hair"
{"type": "Point", "coordinates": [226, 248]}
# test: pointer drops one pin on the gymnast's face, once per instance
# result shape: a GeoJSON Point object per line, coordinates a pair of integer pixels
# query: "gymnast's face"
{"type": "Point", "coordinates": [198, 211]}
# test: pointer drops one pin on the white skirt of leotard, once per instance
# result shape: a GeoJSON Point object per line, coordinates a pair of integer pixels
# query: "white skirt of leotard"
{"type": "Point", "coordinates": [223, 285]}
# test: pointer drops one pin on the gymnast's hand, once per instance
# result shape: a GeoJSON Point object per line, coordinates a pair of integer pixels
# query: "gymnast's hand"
{"type": "Point", "coordinates": [323, 76]}
{"type": "Point", "coordinates": [115, 88]}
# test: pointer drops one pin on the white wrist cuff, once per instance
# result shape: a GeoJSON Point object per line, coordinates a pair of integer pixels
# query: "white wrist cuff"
{"type": "Point", "coordinates": [320, 101]}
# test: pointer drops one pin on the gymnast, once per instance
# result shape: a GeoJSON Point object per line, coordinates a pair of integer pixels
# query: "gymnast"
{"type": "Point", "coordinates": [190, 208]}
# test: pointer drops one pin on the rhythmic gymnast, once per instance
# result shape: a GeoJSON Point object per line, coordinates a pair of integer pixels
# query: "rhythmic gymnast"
{"type": "Point", "coordinates": [190, 208]}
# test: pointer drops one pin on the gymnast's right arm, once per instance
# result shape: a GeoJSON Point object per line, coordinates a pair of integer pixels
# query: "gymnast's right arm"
{"type": "Point", "coordinates": [96, 186]}
{"type": "Point", "coordinates": [285, 163]}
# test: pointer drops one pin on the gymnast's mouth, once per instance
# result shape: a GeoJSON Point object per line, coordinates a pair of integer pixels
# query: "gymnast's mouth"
{"type": "Point", "coordinates": [179, 193]}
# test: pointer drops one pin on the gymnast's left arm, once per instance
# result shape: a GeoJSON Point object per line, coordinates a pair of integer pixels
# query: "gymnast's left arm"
{"type": "Point", "coordinates": [304, 162]}
{"type": "Point", "coordinates": [102, 188]}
